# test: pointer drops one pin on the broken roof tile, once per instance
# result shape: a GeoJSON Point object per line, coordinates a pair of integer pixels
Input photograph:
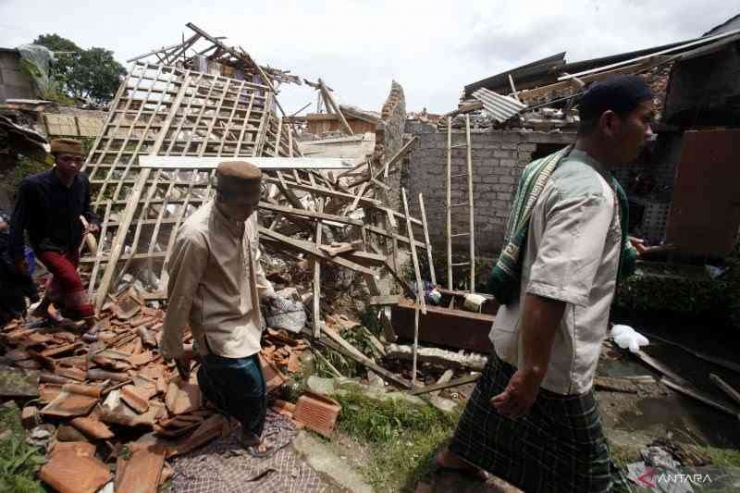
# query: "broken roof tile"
{"type": "Point", "coordinates": [73, 400]}
{"type": "Point", "coordinates": [183, 397]}
{"type": "Point", "coordinates": [93, 428]}
{"type": "Point", "coordinates": [142, 472]}
{"type": "Point", "coordinates": [135, 398]}
{"type": "Point", "coordinates": [72, 468]}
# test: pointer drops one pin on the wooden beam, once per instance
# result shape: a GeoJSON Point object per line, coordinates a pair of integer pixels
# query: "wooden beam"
{"type": "Point", "coordinates": [448, 201]}
{"type": "Point", "coordinates": [725, 387]}
{"type": "Point", "coordinates": [317, 279]}
{"type": "Point", "coordinates": [688, 391]}
{"type": "Point", "coordinates": [430, 259]}
{"type": "Point", "coordinates": [310, 248]}
{"type": "Point", "coordinates": [446, 385]}
{"type": "Point", "coordinates": [469, 143]}
{"type": "Point", "coordinates": [329, 99]}
{"type": "Point", "coordinates": [348, 349]}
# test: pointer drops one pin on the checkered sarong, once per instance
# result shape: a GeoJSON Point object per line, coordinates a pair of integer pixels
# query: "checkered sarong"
{"type": "Point", "coordinates": [558, 447]}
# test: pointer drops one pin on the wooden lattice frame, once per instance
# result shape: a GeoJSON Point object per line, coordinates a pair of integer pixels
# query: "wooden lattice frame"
{"type": "Point", "coordinates": [167, 111]}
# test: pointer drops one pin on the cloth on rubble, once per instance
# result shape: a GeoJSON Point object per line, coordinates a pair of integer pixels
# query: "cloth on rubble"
{"type": "Point", "coordinates": [504, 279]}
{"type": "Point", "coordinates": [215, 284]}
{"type": "Point", "coordinates": [236, 386]}
{"type": "Point", "coordinates": [223, 466]}
{"type": "Point", "coordinates": [64, 287]}
{"type": "Point", "coordinates": [559, 446]}
{"type": "Point", "coordinates": [50, 212]}
{"type": "Point", "coordinates": [283, 313]}
{"type": "Point", "coordinates": [627, 337]}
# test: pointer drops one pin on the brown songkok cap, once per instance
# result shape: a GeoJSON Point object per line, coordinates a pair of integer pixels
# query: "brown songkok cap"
{"type": "Point", "coordinates": [67, 146]}
{"type": "Point", "coordinates": [234, 177]}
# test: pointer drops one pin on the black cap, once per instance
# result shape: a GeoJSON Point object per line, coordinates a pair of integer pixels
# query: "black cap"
{"type": "Point", "coordinates": [619, 93]}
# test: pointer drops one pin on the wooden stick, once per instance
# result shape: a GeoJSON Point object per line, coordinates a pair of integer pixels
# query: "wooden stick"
{"type": "Point", "coordinates": [317, 279]}
{"type": "Point", "coordinates": [448, 201]}
{"type": "Point", "coordinates": [310, 248]}
{"type": "Point", "coordinates": [420, 298]}
{"type": "Point", "coordinates": [341, 345]}
{"type": "Point", "coordinates": [726, 388]}
{"type": "Point", "coordinates": [729, 365]}
{"type": "Point", "coordinates": [329, 100]}
{"type": "Point", "coordinates": [469, 144]}
{"type": "Point", "coordinates": [414, 257]}
{"type": "Point", "coordinates": [660, 368]}
{"type": "Point", "coordinates": [687, 390]}
{"type": "Point", "coordinates": [432, 272]}
{"type": "Point", "coordinates": [446, 385]}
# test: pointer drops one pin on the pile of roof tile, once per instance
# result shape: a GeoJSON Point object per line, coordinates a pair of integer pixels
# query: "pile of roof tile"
{"type": "Point", "coordinates": [115, 400]}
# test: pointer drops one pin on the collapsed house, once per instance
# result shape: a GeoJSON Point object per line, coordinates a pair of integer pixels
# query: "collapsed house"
{"type": "Point", "coordinates": [351, 199]}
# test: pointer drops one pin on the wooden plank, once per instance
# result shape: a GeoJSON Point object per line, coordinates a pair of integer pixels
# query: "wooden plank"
{"type": "Point", "coordinates": [688, 391]}
{"type": "Point", "coordinates": [430, 259]}
{"type": "Point", "coordinates": [310, 248]}
{"type": "Point", "coordinates": [385, 300]}
{"type": "Point", "coordinates": [448, 201]}
{"type": "Point", "coordinates": [469, 144]}
{"type": "Point", "coordinates": [330, 102]}
{"type": "Point", "coordinates": [352, 352]}
{"type": "Point", "coordinates": [317, 279]}
{"type": "Point", "coordinates": [446, 385]}
{"type": "Point", "coordinates": [725, 387]}
{"type": "Point", "coordinates": [420, 297]}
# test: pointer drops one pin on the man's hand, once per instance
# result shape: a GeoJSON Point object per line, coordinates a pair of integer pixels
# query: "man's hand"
{"type": "Point", "coordinates": [519, 395]}
{"type": "Point", "coordinates": [645, 251]}
{"type": "Point", "coordinates": [183, 363]}
{"type": "Point", "coordinates": [93, 228]}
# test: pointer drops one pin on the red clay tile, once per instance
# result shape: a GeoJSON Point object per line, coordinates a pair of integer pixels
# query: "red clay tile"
{"type": "Point", "coordinates": [134, 398]}
{"type": "Point", "coordinates": [143, 470]}
{"type": "Point", "coordinates": [72, 468]}
{"type": "Point", "coordinates": [183, 397]}
{"type": "Point", "coordinates": [93, 428]}
{"type": "Point", "coordinates": [318, 412]}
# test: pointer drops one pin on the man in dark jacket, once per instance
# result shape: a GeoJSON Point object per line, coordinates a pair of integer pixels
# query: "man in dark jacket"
{"type": "Point", "coordinates": [49, 207]}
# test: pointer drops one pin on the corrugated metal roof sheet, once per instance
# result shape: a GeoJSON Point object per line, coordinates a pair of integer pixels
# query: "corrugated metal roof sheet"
{"type": "Point", "coordinates": [501, 108]}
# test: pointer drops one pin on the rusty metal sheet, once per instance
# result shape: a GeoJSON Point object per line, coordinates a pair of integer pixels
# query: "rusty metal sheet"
{"type": "Point", "coordinates": [705, 209]}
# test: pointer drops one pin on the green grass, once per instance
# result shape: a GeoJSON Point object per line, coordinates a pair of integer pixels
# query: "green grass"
{"type": "Point", "coordinates": [402, 438]}
{"type": "Point", "coordinates": [18, 460]}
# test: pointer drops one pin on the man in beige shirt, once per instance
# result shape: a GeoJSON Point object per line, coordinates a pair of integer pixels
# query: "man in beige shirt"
{"type": "Point", "coordinates": [532, 419]}
{"type": "Point", "coordinates": [215, 286]}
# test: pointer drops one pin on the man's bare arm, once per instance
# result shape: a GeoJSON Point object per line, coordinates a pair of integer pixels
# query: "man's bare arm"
{"type": "Point", "coordinates": [540, 319]}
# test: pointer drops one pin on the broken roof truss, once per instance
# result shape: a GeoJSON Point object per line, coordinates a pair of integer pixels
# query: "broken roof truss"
{"type": "Point", "coordinates": [182, 120]}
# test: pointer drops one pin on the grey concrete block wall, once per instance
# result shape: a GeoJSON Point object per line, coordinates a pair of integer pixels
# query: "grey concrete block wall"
{"type": "Point", "coordinates": [14, 82]}
{"type": "Point", "coordinates": [498, 158]}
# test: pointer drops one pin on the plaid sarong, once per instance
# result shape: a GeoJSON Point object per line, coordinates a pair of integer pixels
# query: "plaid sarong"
{"type": "Point", "coordinates": [559, 446]}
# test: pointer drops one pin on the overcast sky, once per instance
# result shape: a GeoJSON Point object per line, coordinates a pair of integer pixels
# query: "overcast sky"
{"type": "Point", "coordinates": [432, 48]}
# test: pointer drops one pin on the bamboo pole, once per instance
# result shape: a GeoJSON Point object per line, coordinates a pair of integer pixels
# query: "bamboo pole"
{"type": "Point", "coordinates": [470, 202]}
{"type": "Point", "coordinates": [448, 202]}
{"type": "Point", "coordinates": [430, 259]}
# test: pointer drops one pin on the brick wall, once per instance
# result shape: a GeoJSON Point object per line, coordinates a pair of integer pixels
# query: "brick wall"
{"type": "Point", "coordinates": [389, 139]}
{"type": "Point", "coordinates": [498, 159]}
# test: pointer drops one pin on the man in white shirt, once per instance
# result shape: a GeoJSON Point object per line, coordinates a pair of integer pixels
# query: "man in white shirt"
{"type": "Point", "coordinates": [533, 419]}
{"type": "Point", "coordinates": [215, 286]}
